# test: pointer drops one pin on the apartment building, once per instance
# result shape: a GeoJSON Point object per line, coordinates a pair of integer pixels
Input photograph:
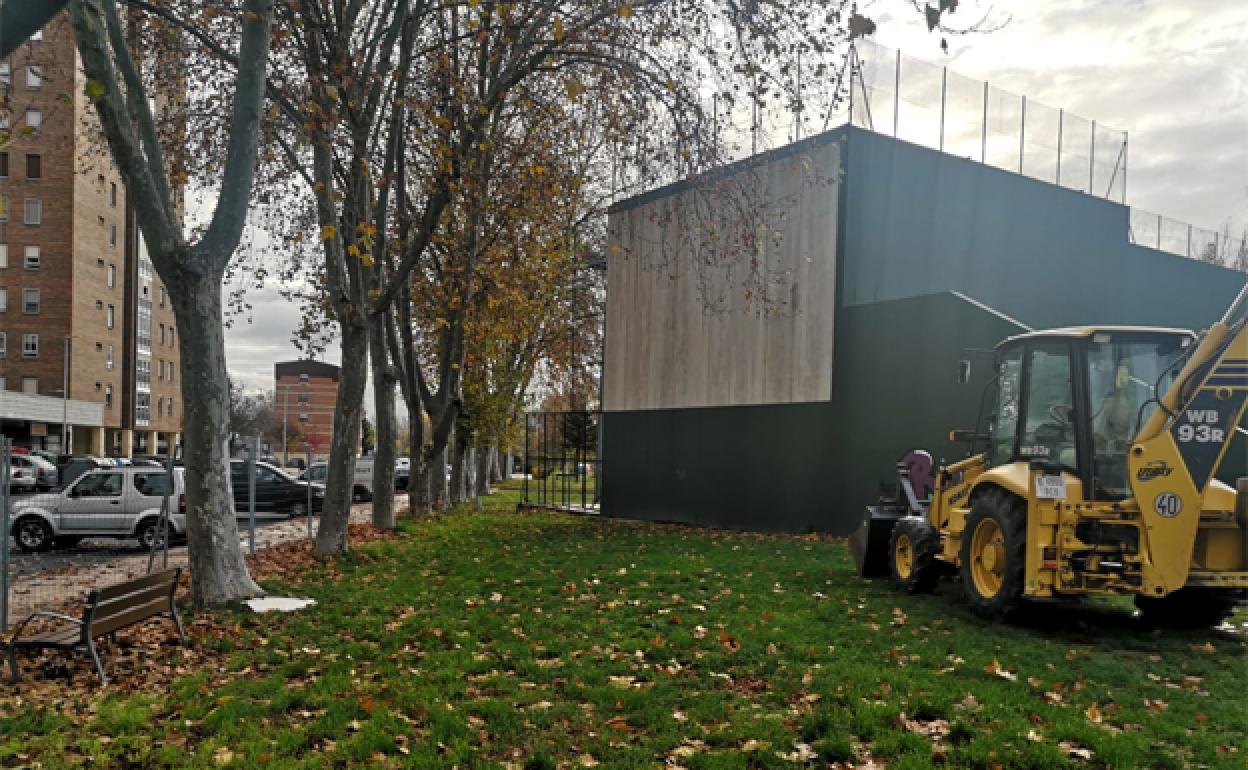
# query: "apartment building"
{"type": "Point", "coordinates": [88, 341]}
{"type": "Point", "coordinates": [305, 395]}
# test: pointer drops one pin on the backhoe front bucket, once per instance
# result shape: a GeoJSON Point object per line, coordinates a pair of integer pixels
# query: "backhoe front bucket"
{"type": "Point", "coordinates": [869, 543]}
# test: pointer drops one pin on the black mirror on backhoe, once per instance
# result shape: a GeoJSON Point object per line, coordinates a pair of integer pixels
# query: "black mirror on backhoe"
{"type": "Point", "coordinates": [964, 371]}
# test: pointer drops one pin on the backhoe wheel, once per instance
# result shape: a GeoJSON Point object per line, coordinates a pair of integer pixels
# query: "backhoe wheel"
{"type": "Point", "coordinates": [912, 549]}
{"type": "Point", "coordinates": [1191, 607]}
{"type": "Point", "coordinates": [992, 553]}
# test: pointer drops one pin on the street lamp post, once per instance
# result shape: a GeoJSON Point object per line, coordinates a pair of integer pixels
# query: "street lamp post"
{"type": "Point", "coordinates": [65, 401]}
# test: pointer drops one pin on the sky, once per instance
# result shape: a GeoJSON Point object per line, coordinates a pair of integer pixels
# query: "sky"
{"type": "Point", "coordinates": [1174, 75]}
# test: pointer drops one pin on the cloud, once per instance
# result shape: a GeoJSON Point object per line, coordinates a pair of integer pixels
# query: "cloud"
{"type": "Point", "coordinates": [1173, 75]}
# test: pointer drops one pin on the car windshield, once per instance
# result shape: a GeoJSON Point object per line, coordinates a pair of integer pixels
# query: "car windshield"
{"type": "Point", "coordinates": [1126, 375]}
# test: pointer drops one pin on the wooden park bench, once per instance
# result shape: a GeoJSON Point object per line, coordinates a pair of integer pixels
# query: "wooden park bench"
{"type": "Point", "coordinates": [107, 611]}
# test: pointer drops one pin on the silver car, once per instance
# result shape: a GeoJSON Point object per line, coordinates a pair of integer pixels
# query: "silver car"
{"type": "Point", "coordinates": [44, 472]}
{"type": "Point", "coordinates": [108, 502]}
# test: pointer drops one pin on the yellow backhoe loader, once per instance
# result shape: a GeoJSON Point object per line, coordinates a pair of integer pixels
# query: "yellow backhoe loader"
{"type": "Point", "coordinates": [1095, 476]}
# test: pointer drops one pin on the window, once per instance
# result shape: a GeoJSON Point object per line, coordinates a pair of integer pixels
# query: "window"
{"type": "Point", "coordinates": [1048, 425]}
{"type": "Point", "coordinates": [99, 484]}
{"type": "Point", "coordinates": [4, 204]}
{"type": "Point", "coordinates": [34, 211]}
{"type": "Point", "coordinates": [110, 317]}
{"type": "Point", "coordinates": [6, 74]}
{"type": "Point", "coordinates": [34, 121]}
{"type": "Point", "coordinates": [108, 358]}
{"type": "Point", "coordinates": [143, 408]}
{"type": "Point", "coordinates": [162, 293]}
{"type": "Point", "coordinates": [4, 300]}
{"type": "Point", "coordinates": [4, 345]}
{"type": "Point", "coordinates": [151, 484]}
{"type": "Point", "coordinates": [30, 385]}
{"type": "Point", "coordinates": [303, 379]}
{"type": "Point", "coordinates": [160, 368]}
{"type": "Point", "coordinates": [162, 334]}
{"type": "Point", "coordinates": [32, 78]}
{"type": "Point", "coordinates": [30, 345]}
{"type": "Point", "coordinates": [303, 398]}
{"type": "Point", "coordinates": [170, 373]}
{"type": "Point", "coordinates": [32, 258]}
{"type": "Point", "coordinates": [143, 372]}
{"type": "Point", "coordinates": [112, 235]}
{"type": "Point", "coordinates": [4, 255]}
{"type": "Point", "coordinates": [112, 276]}
{"type": "Point", "coordinates": [108, 396]}
{"type": "Point", "coordinates": [30, 301]}
{"type": "Point", "coordinates": [112, 194]}
{"type": "Point", "coordinates": [34, 166]}
{"type": "Point", "coordinates": [4, 164]}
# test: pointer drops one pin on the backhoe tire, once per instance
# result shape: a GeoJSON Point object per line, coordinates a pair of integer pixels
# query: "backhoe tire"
{"type": "Point", "coordinates": [992, 554]}
{"type": "Point", "coordinates": [912, 549]}
{"type": "Point", "coordinates": [1192, 607]}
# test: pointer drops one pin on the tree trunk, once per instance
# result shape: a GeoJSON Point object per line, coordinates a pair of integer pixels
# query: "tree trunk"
{"type": "Point", "coordinates": [331, 537]}
{"type": "Point", "coordinates": [496, 464]}
{"type": "Point", "coordinates": [459, 468]}
{"type": "Point", "coordinates": [384, 381]}
{"type": "Point", "coordinates": [509, 468]}
{"type": "Point", "coordinates": [437, 481]}
{"type": "Point", "coordinates": [218, 571]}
{"type": "Point", "coordinates": [484, 461]}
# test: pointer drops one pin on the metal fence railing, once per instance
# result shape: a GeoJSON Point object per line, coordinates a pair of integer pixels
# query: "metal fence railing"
{"type": "Point", "coordinates": [1165, 234]}
{"type": "Point", "coordinates": [562, 465]}
{"type": "Point", "coordinates": [929, 105]}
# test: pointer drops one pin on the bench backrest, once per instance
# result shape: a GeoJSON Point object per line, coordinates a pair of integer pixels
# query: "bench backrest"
{"type": "Point", "coordinates": [124, 604]}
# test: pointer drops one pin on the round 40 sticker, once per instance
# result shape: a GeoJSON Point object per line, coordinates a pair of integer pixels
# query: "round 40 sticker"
{"type": "Point", "coordinates": [1168, 505]}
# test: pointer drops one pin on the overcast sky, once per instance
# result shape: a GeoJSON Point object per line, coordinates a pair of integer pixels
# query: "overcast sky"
{"type": "Point", "coordinates": [1172, 73]}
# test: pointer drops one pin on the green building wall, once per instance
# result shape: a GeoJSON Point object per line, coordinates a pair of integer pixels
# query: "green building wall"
{"type": "Point", "coordinates": [935, 254]}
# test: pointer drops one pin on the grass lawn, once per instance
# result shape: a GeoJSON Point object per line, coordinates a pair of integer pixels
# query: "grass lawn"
{"type": "Point", "coordinates": [542, 641]}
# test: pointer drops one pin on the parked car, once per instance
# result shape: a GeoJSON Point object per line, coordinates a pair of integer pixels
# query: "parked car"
{"type": "Point", "coordinates": [45, 473]}
{"type": "Point", "coordinates": [362, 478]}
{"type": "Point", "coordinates": [21, 480]}
{"type": "Point", "coordinates": [75, 466]}
{"type": "Point", "coordinates": [276, 490]}
{"type": "Point", "coordinates": [109, 502]}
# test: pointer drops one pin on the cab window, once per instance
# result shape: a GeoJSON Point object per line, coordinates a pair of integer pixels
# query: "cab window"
{"type": "Point", "coordinates": [1048, 426]}
{"type": "Point", "coordinates": [1004, 425]}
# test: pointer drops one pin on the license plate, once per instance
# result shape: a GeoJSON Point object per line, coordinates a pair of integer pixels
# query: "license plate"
{"type": "Point", "coordinates": [1051, 487]}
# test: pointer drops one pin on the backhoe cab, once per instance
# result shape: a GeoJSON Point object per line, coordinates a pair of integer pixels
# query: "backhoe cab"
{"type": "Point", "coordinates": [1093, 474]}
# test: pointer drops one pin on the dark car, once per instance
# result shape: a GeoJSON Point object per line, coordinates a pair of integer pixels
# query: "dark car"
{"type": "Point", "coordinates": [76, 465]}
{"type": "Point", "coordinates": [276, 491]}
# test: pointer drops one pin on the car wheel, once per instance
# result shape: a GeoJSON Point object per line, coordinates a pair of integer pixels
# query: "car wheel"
{"type": "Point", "coordinates": [148, 533]}
{"type": "Point", "coordinates": [32, 535]}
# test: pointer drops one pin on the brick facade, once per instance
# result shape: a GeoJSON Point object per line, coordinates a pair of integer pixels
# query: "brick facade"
{"type": "Point", "coordinates": [89, 259]}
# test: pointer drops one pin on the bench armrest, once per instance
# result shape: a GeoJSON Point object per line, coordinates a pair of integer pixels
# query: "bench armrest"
{"type": "Point", "coordinates": [42, 614]}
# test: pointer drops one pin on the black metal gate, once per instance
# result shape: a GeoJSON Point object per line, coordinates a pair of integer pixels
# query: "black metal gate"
{"type": "Point", "coordinates": [562, 463]}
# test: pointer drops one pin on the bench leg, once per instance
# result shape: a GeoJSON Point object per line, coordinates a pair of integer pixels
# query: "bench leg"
{"type": "Point", "coordinates": [177, 621]}
{"type": "Point", "coordinates": [14, 672]}
{"type": "Point", "coordinates": [99, 667]}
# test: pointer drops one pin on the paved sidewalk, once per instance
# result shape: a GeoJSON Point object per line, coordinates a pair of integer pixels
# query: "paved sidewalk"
{"type": "Point", "coordinates": [71, 583]}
